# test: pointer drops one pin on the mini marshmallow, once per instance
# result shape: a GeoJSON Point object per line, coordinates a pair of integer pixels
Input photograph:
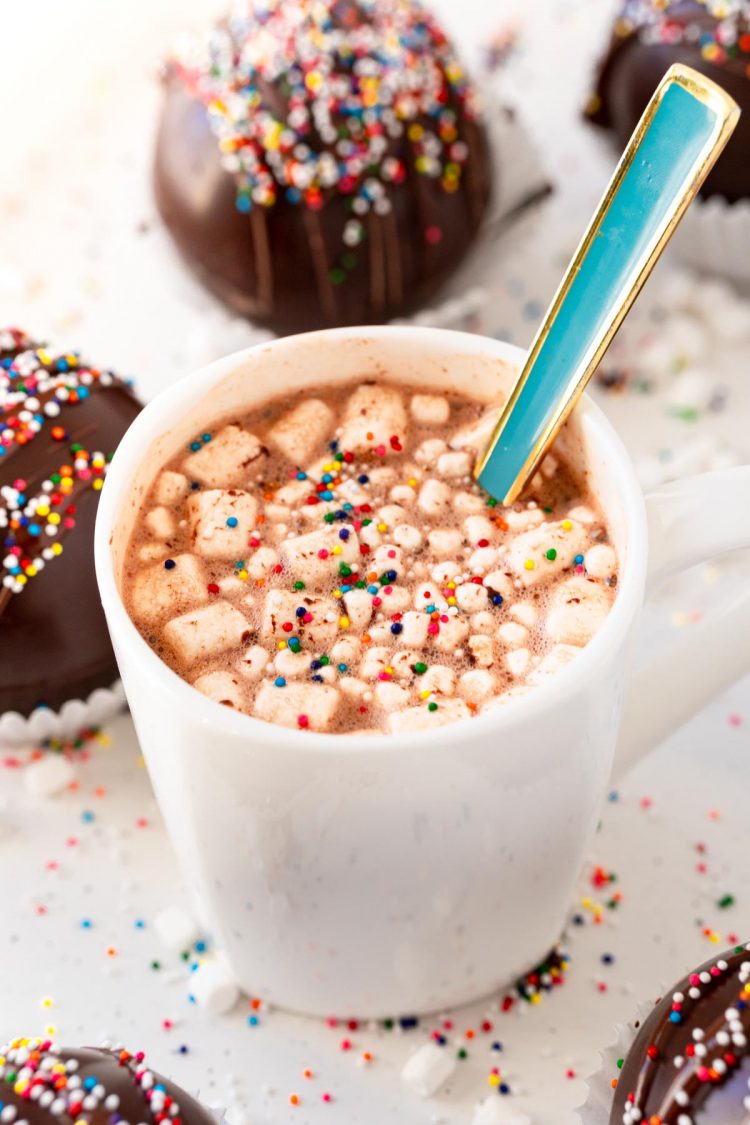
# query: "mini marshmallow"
{"type": "Point", "coordinates": [353, 687]}
{"type": "Point", "coordinates": [479, 527]}
{"type": "Point", "coordinates": [407, 537]}
{"type": "Point", "coordinates": [429, 410]}
{"type": "Point", "coordinates": [429, 593]}
{"type": "Point", "coordinates": [414, 631]}
{"type": "Point", "coordinates": [358, 606]}
{"type": "Point", "coordinates": [434, 498]}
{"type": "Point", "coordinates": [158, 590]}
{"type": "Point", "coordinates": [464, 503]}
{"type": "Point", "coordinates": [524, 613]}
{"type": "Point", "coordinates": [445, 542]}
{"type": "Point", "coordinates": [213, 987]}
{"type": "Point", "coordinates": [221, 522]}
{"type": "Point", "coordinates": [299, 431]}
{"type": "Point", "coordinates": [231, 458]}
{"type": "Point", "coordinates": [522, 521]}
{"type": "Point", "coordinates": [346, 651]}
{"type": "Point", "coordinates": [281, 607]}
{"type": "Point", "coordinates": [387, 557]}
{"type": "Point", "coordinates": [482, 560]}
{"type": "Point", "coordinates": [600, 561]}
{"type": "Point", "coordinates": [471, 597]}
{"type": "Point", "coordinates": [370, 535]}
{"type": "Point", "coordinates": [494, 1110]}
{"type": "Point", "coordinates": [476, 435]}
{"type": "Point", "coordinates": [403, 662]}
{"type": "Point", "coordinates": [476, 685]}
{"type": "Point", "coordinates": [483, 622]}
{"type": "Point", "coordinates": [414, 719]}
{"type": "Point", "coordinates": [453, 633]}
{"type": "Point", "coordinates": [375, 661]}
{"type": "Point", "coordinates": [428, 452]}
{"type": "Point", "coordinates": [150, 552]}
{"type": "Point", "coordinates": [454, 464]}
{"type": "Point", "coordinates": [402, 494]}
{"type": "Point", "coordinates": [292, 493]}
{"type": "Point", "coordinates": [206, 632]}
{"type": "Point", "coordinates": [160, 523]}
{"type": "Point", "coordinates": [439, 678]}
{"type": "Point", "coordinates": [252, 663]}
{"type": "Point", "coordinates": [445, 572]}
{"type": "Point", "coordinates": [428, 1069]}
{"type": "Point", "coordinates": [555, 659]}
{"type": "Point", "coordinates": [395, 599]}
{"type": "Point", "coordinates": [291, 664]}
{"type": "Point", "coordinates": [512, 634]}
{"type": "Point", "coordinates": [517, 662]}
{"type": "Point", "coordinates": [222, 687]}
{"type": "Point", "coordinates": [176, 929]}
{"type": "Point", "coordinates": [582, 514]}
{"type": "Point", "coordinates": [48, 776]}
{"type": "Point", "coordinates": [315, 557]}
{"type": "Point", "coordinates": [482, 650]}
{"type": "Point", "coordinates": [577, 611]}
{"type": "Point", "coordinates": [170, 487]}
{"type": "Point", "coordinates": [529, 555]}
{"type": "Point", "coordinates": [393, 515]}
{"type": "Point", "coordinates": [316, 703]}
{"type": "Point", "coordinates": [372, 416]}
{"type": "Point", "coordinates": [390, 696]}
{"type": "Point", "coordinates": [259, 562]}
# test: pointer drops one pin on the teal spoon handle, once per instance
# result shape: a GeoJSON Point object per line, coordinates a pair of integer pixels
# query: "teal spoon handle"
{"type": "Point", "coordinates": [684, 128]}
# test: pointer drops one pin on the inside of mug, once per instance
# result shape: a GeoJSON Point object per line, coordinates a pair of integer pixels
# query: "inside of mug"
{"type": "Point", "coordinates": [422, 359]}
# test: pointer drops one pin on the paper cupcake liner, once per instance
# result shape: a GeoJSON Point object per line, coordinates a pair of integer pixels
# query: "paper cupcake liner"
{"type": "Point", "coordinates": [715, 236]}
{"type": "Point", "coordinates": [520, 186]}
{"type": "Point", "coordinates": [17, 731]}
{"type": "Point", "coordinates": [597, 1108]}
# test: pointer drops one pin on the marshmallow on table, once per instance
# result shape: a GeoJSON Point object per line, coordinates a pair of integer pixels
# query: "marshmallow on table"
{"type": "Point", "coordinates": [48, 776]}
{"type": "Point", "coordinates": [281, 607]}
{"type": "Point", "coordinates": [213, 987]}
{"type": "Point", "coordinates": [428, 1069]}
{"type": "Point", "coordinates": [429, 410]}
{"type": "Point", "coordinates": [314, 704]}
{"type": "Point", "coordinates": [160, 522]}
{"type": "Point", "coordinates": [495, 1110]}
{"type": "Point", "coordinates": [232, 457]}
{"type": "Point", "coordinates": [421, 718]}
{"type": "Point", "coordinates": [529, 555]}
{"type": "Point", "coordinates": [159, 590]}
{"type": "Point", "coordinates": [577, 610]}
{"type": "Point", "coordinates": [207, 631]}
{"type": "Point", "coordinates": [372, 416]}
{"type": "Point", "coordinates": [315, 557]}
{"type": "Point", "coordinates": [223, 688]}
{"type": "Point", "coordinates": [170, 487]}
{"type": "Point", "coordinates": [300, 430]}
{"type": "Point", "coordinates": [175, 928]}
{"type": "Point", "coordinates": [221, 522]}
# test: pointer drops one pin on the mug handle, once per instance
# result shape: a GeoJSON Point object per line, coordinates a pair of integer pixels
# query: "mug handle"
{"type": "Point", "coordinates": [689, 521]}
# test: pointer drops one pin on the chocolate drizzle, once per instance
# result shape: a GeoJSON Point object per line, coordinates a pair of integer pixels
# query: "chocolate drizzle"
{"type": "Point", "coordinates": [690, 1061]}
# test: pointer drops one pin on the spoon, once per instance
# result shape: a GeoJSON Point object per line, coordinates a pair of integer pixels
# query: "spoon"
{"type": "Point", "coordinates": [683, 130]}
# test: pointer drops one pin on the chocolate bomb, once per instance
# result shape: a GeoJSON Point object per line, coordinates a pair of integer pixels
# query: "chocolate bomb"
{"type": "Point", "coordinates": [690, 1062]}
{"type": "Point", "coordinates": [322, 162]}
{"type": "Point", "coordinates": [41, 1084]}
{"type": "Point", "coordinates": [648, 37]}
{"type": "Point", "coordinates": [60, 422]}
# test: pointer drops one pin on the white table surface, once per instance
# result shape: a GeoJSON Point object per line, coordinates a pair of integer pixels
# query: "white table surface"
{"type": "Point", "coordinates": [84, 262]}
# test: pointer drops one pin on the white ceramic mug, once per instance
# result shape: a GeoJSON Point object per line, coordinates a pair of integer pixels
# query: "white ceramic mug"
{"type": "Point", "coordinates": [407, 873]}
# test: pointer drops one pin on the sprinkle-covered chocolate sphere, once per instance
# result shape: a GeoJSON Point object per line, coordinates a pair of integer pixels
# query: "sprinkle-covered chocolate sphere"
{"type": "Point", "coordinates": [322, 162]}
{"type": "Point", "coordinates": [60, 422]}
{"type": "Point", "coordinates": [690, 1063]}
{"type": "Point", "coordinates": [713, 36]}
{"type": "Point", "coordinates": [41, 1084]}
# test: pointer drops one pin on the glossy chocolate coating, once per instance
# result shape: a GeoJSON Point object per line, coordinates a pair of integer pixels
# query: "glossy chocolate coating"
{"type": "Point", "coordinates": [115, 1071]}
{"type": "Point", "coordinates": [672, 1082]}
{"type": "Point", "coordinates": [54, 643]}
{"type": "Point", "coordinates": [273, 265]}
{"type": "Point", "coordinates": [631, 71]}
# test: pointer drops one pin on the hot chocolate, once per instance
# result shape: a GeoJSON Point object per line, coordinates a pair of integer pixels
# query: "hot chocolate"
{"type": "Point", "coordinates": [329, 563]}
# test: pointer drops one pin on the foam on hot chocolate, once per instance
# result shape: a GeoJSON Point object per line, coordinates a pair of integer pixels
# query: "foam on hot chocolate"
{"type": "Point", "coordinates": [329, 563]}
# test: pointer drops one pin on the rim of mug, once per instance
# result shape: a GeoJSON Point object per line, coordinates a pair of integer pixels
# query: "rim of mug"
{"type": "Point", "coordinates": [541, 697]}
